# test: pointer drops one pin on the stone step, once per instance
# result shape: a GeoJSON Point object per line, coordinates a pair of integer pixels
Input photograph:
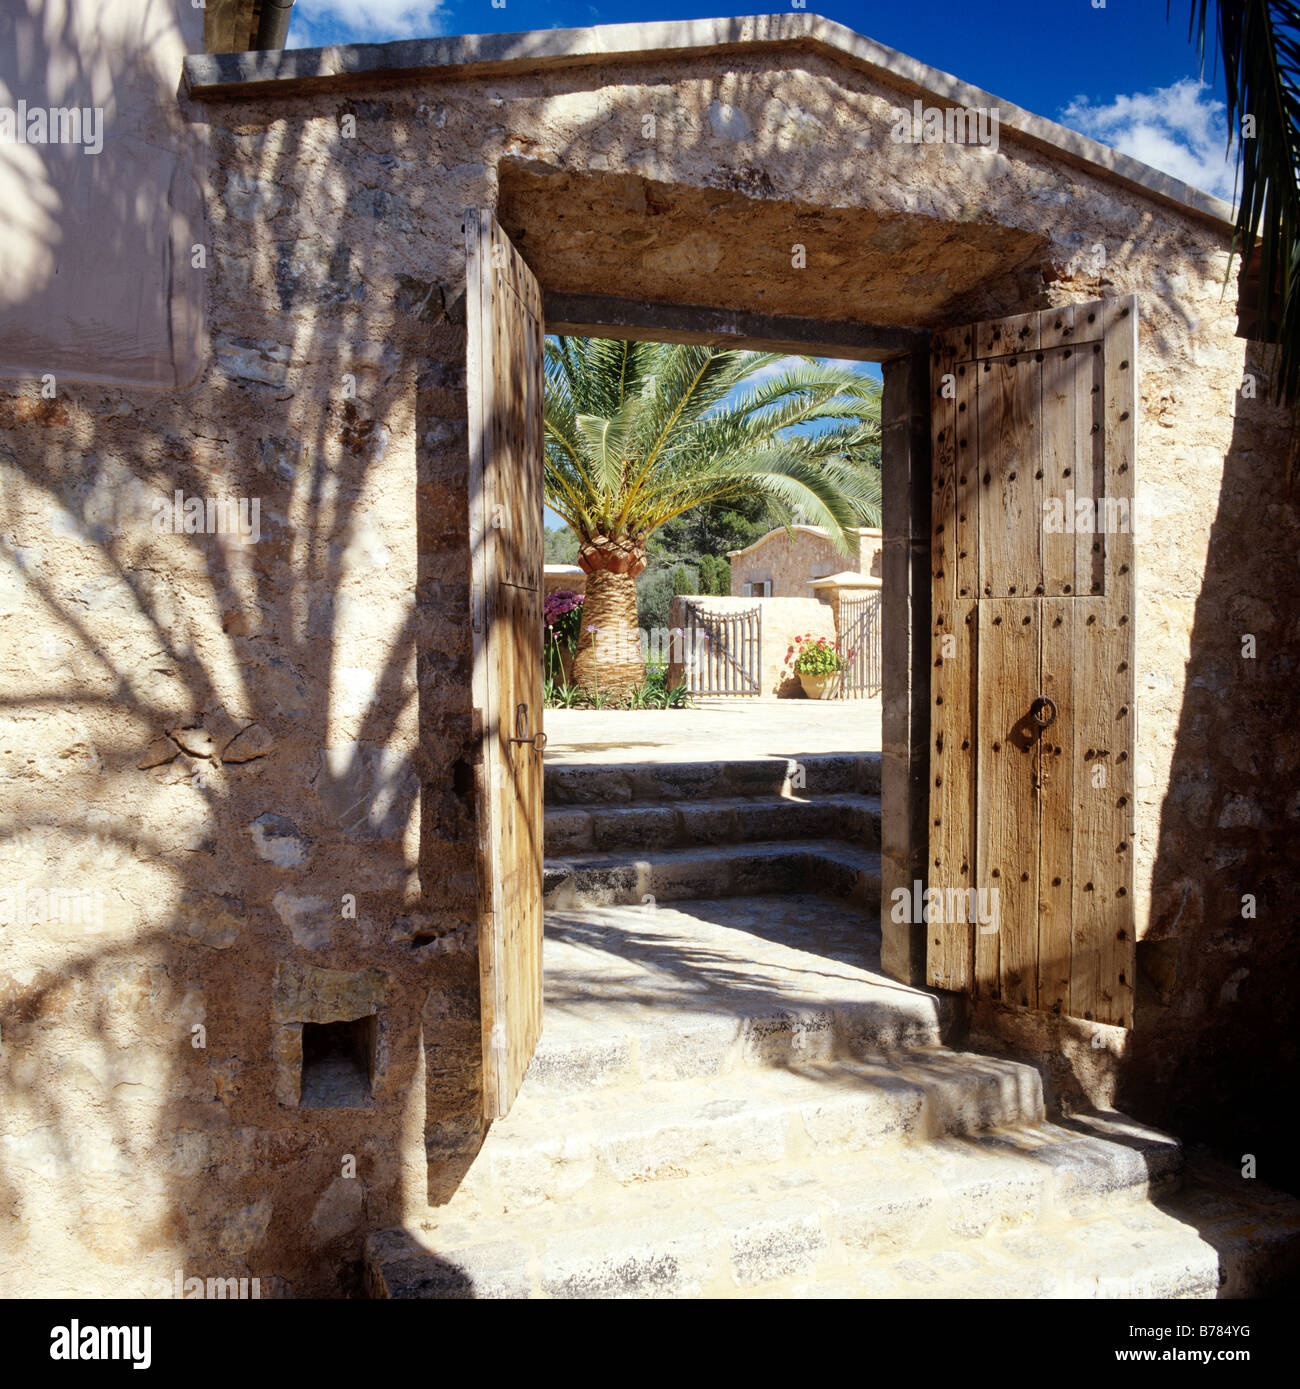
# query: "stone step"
{"type": "Point", "coordinates": [551, 1146]}
{"type": "Point", "coordinates": [615, 783]}
{"type": "Point", "coordinates": [1024, 1212]}
{"type": "Point", "coordinates": [1254, 1228]}
{"type": "Point", "coordinates": [575, 1060]}
{"type": "Point", "coordinates": [1215, 1237]}
{"type": "Point", "coordinates": [707, 987]}
{"type": "Point", "coordinates": [604, 828]}
{"type": "Point", "coordinates": [736, 870]}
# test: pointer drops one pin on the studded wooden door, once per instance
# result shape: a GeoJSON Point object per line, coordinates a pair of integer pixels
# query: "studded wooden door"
{"type": "Point", "coordinates": [504, 384]}
{"type": "Point", "coordinates": [1031, 797]}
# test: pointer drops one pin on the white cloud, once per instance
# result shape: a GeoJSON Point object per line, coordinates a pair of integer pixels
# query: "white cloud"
{"type": "Point", "coordinates": [320, 22]}
{"type": "Point", "coordinates": [768, 373]}
{"type": "Point", "coordinates": [1180, 130]}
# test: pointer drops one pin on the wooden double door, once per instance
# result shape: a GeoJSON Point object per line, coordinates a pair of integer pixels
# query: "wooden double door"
{"type": "Point", "coordinates": [1031, 765]}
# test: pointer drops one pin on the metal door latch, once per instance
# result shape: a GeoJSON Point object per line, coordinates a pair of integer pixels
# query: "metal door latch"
{"type": "Point", "coordinates": [538, 740]}
{"type": "Point", "coordinates": [1043, 711]}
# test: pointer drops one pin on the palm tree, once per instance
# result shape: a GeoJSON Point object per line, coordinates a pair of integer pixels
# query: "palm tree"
{"type": "Point", "coordinates": [637, 433]}
{"type": "Point", "coordinates": [1259, 42]}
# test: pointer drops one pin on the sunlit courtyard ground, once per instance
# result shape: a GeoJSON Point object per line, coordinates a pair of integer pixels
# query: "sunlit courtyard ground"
{"type": "Point", "coordinates": [715, 729]}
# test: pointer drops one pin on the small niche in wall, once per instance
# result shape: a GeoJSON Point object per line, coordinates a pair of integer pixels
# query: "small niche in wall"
{"type": "Point", "coordinates": [338, 1063]}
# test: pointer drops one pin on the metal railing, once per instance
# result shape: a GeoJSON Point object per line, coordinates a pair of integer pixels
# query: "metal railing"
{"type": "Point", "coordinates": [724, 651]}
{"type": "Point", "coordinates": [860, 633]}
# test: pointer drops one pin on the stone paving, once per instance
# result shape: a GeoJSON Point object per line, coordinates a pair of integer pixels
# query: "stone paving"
{"type": "Point", "coordinates": [799, 955]}
{"type": "Point", "coordinates": [714, 729]}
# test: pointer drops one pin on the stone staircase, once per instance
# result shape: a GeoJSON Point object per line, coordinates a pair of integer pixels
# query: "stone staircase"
{"type": "Point", "coordinates": [616, 834]}
{"type": "Point", "coordinates": [730, 1100]}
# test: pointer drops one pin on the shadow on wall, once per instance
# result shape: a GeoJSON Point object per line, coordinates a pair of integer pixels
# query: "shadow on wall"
{"type": "Point", "coordinates": [238, 799]}
{"type": "Point", "coordinates": [1217, 1039]}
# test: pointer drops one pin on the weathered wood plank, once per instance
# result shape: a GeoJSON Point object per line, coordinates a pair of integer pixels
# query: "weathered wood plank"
{"type": "Point", "coordinates": [477, 366]}
{"type": "Point", "coordinates": [504, 347]}
{"type": "Point", "coordinates": [607, 316]}
{"type": "Point", "coordinates": [949, 944]}
{"type": "Point", "coordinates": [1007, 844]}
{"type": "Point", "coordinates": [1105, 842]}
{"type": "Point", "coordinates": [1101, 977]}
{"type": "Point", "coordinates": [1056, 806]}
{"type": "Point", "coordinates": [996, 337]}
{"type": "Point", "coordinates": [1059, 368]}
{"type": "Point", "coordinates": [1010, 505]}
{"type": "Point", "coordinates": [1090, 469]}
{"type": "Point", "coordinates": [967, 487]}
{"type": "Point", "coordinates": [1072, 325]}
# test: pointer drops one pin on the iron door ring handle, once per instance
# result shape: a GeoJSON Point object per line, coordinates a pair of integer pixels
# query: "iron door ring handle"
{"type": "Point", "coordinates": [1043, 711]}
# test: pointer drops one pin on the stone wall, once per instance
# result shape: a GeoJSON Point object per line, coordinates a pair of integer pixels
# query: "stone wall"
{"type": "Point", "coordinates": [789, 560]}
{"type": "Point", "coordinates": [560, 578]}
{"type": "Point", "coordinates": [254, 755]}
{"type": "Point", "coordinates": [257, 759]}
{"type": "Point", "coordinates": [832, 593]}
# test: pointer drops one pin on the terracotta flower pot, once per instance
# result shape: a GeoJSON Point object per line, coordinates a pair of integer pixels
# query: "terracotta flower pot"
{"type": "Point", "coordinates": [820, 686]}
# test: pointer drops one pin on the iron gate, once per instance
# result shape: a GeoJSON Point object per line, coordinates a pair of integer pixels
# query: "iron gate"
{"type": "Point", "coordinates": [724, 651]}
{"type": "Point", "coordinates": [860, 633]}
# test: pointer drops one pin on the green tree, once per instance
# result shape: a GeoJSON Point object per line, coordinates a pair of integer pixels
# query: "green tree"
{"type": "Point", "coordinates": [638, 434]}
{"type": "Point", "coordinates": [715, 574]}
{"type": "Point", "coordinates": [559, 545]}
{"type": "Point", "coordinates": [654, 598]}
{"type": "Point", "coordinates": [716, 527]}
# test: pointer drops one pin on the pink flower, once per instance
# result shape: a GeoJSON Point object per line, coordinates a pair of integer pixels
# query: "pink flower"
{"type": "Point", "coordinates": [558, 604]}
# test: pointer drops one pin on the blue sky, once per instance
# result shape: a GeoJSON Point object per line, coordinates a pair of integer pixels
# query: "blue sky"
{"type": "Point", "coordinates": [1117, 70]}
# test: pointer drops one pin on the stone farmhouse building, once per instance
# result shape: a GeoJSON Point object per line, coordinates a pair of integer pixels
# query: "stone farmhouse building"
{"type": "Point", "coordinates": [783, 564]}
{"type": "Point", "coordinates": [271, 863]}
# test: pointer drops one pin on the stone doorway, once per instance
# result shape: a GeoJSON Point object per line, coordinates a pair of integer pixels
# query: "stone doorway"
{"type": "Point", "coordinates": [897, 738]}
{"type": "Point", "coordinates": [752, 807]}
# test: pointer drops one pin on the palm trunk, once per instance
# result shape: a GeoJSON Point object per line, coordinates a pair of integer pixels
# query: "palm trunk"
{"type": "Point", "coordinates": [608, 658]}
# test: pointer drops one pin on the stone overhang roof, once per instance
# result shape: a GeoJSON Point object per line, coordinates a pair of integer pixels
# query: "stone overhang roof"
{"type": "Point", "coordinates": [294, 71]}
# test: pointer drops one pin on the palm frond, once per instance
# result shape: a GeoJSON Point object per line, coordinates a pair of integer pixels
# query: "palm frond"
{"type": "Point", "coordinates": [1259, 43]}
{"type": "Point", "coordinates": [830, 493]}
{"type": "Point", "coordinates": [606, 440]}
{"type": "Point", "coordinates": [637, 433]}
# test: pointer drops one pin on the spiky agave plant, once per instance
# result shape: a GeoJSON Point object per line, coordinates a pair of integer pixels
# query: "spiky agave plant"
{"type": "Point", "coordinates": [638, 433]}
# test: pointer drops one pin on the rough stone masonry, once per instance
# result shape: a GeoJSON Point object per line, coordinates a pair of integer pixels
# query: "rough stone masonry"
{"type": "Point", "coordinates": [261, 753]}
